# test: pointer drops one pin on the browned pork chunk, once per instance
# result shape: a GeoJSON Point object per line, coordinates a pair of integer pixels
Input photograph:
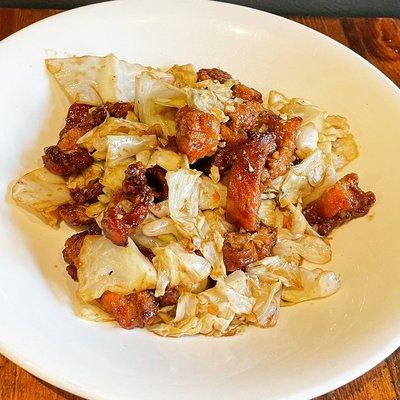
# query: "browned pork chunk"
{"type": "Point", "coordinates": [241, 249]}
{"type": "Point", "coordinates": [67, 158]}
{"type": "Point", "coordinates": [214, 74]}
{"type": "Point", "coordinates": [197, 133]}
{"type": "Point", "coordinates": [134, 310]}
{"type": "Point", "coordinates": [242, 121]}
{"type": "Point", "coordinates": [74, 215]}
{"type": "Point", "coordinates": [246, 93]}
{"type": "Point", "coordinates": [339, 204]}
{"type": "Point", "coordinates": [239, 90]}
{"type": "Point", "coordinates": [245, 116]}
{"type": "Point", "coordinates": [66, 163]}
{"type": "Point", "coordinates": [243, 198]}
{"type": "Point", "coordinates": [129, 207]}
{"type": "Point", "coordinates": [170, 297]}
{"type": "Point", "coordinates": [119, 109]}
{"type": "Point", "coordinates": [87, 194]}
{"type": "Point", "coordinates": [285, 135]}
{"type": "Point", "coordinates": [72, 248]}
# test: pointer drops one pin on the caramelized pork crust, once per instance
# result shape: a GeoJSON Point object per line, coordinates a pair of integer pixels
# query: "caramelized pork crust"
{"type": "Point", "coordinates": [243, 198]}
{"type": "Point", "coordinates": [74, 215]}
{"type": "Point", "coordinates": [135, 310]}
{"type": "Point", "coordinates": [66, 163]}
{"type": "Point", "coordinates": [87, 194]}
{"type": "Point", "coordinates": [67, 158]}
{"type": "Point", "coordinates": [243, 248]}
{"type": "Point", "coordinates": [339, 204]}
{"type": "Point", "coordinates": [246, 93]}
{"type": "Point", "coordinates": [214, 74]}
{"type": "Point", "coordinates": [285, 135]}
{"type": "Point", "coordinates": [197, 133]}
{"type": "Point", "coordinates": [170, 297]}
{"type": "Point", "coordinates": [129, 207]}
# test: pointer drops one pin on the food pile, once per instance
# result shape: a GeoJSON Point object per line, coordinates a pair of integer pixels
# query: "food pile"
{"type": "Point", "coordinates": [198, 202]}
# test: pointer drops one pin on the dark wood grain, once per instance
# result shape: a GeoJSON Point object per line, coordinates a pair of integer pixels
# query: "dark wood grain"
{"type": "Point", "coordinates": [377, 40]}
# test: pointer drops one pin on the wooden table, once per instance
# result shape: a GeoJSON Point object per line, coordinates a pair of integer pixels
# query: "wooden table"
{"type": "Point", "coordinates": [377, 40]}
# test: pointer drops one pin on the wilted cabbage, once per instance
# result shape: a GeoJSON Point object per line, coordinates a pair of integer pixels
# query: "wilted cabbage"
{"type": "Point", "coordinates": [184, 75]}
{"type": "Point", "coordinates": [42, 192]}
{"type": "Point", "coordinates": [90, 311]}
{"type": "Point", "coordinates": [178, 267]}
{"type": "Point", "coordinates": [95, 80]}
{"type": "Point", "coordinates": [306, 140]}
{"type": "Point", "coordinates": [212, 311]}
{"type": "Point", "coordinates": [270, 214]}
{"type": "Point", "coordinates": [212, 195]}
{"type": "Point", "coordinates": [311, 248]}
{"type": "Point", "coordinates": [105, 266]}
{"type": "Point", "coordinates": [310, 114]}
{"type": "Point", "coordinates": [267, 302]}
{"type": "Point", "coordinates": [303, 177]}
{"type": "Point", "coordinates": [149, 103]}
{"type": "Point", "coordinates": [183, 200]}
{"type": "Point", "coordinates": [276, 268]}
{"type": "Point", "coordinates": [157, 227]}
{"type": "Point", "coordinates": [86, 177]}
{"type": "Point", "coordinates": [160, 209]}
{"type": "Point", "coordinates": [167, 159]}
{"type": "Point", "coordinates": [212, 236]}
{"type": "Point", "coordinates": [315, 284]}
{"type": "Point", "coordinates": [94, 210]}
{"type": "Point", "coordinates": [214, 99]}
{"type": "Point", "coordinates": [222, 309]}
{"type": "Point", "coordinates": [119, 148]}
{"type": "Point", "coordinates": [96, 139]}
{"type": "Point", "coordinates": [114, 176]}
{"type": "Point", "coordinates": [120, 152]}
{"type": "Point", "coordinates": [344, 150]}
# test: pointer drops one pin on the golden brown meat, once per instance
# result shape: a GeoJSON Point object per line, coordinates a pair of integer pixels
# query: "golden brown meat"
{"type": "Point", "coordinates": [74, 215]}
{"type": "Point", "coordinates": [134, 310]}
{"type": "Point", "coordinates": [285, 134]}
{"type": "Point", "coordinates": [214, 74]}
{"type": "Point", "coordinates": [170, 297]}
{"type": "Point", "coordinates": [197, 133]}
{"type": "Point", "coordinates": [67, 158]}
{"type": "Point", "coordinates": [75, 115]}
{"type": "Point", "coordinates": [81, 118]}
{"type": "Point", "coordinates": [245, 116]}
{"type": "Point", "coordinates": [243, 198]}
{"type": "Point", "coordinates": [225, 156]}
{"type": "Point", "coordinates": [72, 248]}
{"type": "Point", "coordinates": [248, 117]}
{"type": "Point", "coordinates": [246, 93]}
{"type": "Point", "coordinates": [339, 204]}
{"type": "Point", "coordinates": [87, 194]}
{"type": "Point", "coordinates": [129, 207]}
{"type": "Point", "coordinates": [241, 249]}
{"type": "Point", "coordinates": [118, 110]}
{"type": "Point", "coordinates": [66, 163]}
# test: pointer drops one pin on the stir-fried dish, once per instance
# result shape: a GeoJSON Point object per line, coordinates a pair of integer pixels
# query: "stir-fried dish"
{"type": "Point", "coordinates": [201, 206]}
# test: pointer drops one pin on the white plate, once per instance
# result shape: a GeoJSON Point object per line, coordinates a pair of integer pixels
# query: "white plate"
{"type": "Point", "coordinates": [316, 346]}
